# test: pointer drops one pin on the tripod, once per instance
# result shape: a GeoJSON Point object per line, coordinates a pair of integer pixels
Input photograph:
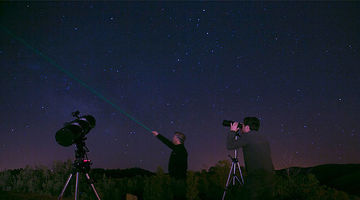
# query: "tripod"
{"type": "Point", "coordinates": [234, 164]}
{"type": "Point", "coordinates": [80, 165]}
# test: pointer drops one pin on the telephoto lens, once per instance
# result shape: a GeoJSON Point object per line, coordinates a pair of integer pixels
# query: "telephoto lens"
{"type": "Point", "coordinates": [228, 123]}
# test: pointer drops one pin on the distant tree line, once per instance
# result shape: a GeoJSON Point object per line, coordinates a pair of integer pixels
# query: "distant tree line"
{"type": "Point", "coordinates": [202, 185]}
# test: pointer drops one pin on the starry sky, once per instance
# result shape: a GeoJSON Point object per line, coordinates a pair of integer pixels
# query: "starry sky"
{"type": "Point", "coordinates": [179, 66]}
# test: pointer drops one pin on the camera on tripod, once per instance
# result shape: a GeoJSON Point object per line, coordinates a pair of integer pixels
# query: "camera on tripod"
{"type": "Point", "coordinates": [233, 177]}
{"type": "Point", "coordinates": [74, 132]}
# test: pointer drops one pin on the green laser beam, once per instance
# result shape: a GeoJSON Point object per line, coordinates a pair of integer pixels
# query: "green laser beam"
{"type": "Point", "coordinates": [52, 62]}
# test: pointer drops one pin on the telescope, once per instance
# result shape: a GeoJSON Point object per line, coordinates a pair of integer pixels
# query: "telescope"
{"type": "Point", "coordinates": [74, 132]}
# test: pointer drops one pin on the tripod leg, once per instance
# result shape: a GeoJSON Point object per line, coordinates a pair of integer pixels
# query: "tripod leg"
{"type": "Point", "coordinates": [77, 185]}
{"type": "Point", "coordinates": [236, 179]}
{"type": "Point", "coordinates": [92, 186]}
{"type": "Point", "coordinates": [242, 179]}
{"type": "Point", "coordinates": [228, 180]}
{"type": "Point", "coordinates": [65, 186]}
{"type": "Point", "coordinates": [234, 174]}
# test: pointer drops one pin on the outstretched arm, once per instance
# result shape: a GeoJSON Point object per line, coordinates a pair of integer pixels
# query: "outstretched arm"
{"type": "Point", "coordinates": [164, 140]}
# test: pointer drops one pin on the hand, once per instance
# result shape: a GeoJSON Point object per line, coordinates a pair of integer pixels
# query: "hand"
{"type": "Point", "coordinates": [154, 133]}
{"type": "Point", "coordinates": [234, 126]}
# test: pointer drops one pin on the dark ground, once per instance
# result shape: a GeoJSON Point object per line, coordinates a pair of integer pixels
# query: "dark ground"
{"type": "Point", "coordinates": [28, 196]}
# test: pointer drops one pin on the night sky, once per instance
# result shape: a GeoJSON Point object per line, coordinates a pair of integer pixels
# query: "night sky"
{"type": "Point", "coordinates": [182, 66]}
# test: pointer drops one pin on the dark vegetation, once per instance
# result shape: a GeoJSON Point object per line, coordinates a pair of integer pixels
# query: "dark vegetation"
{"type": "Point", "coordinates": [43, 183]}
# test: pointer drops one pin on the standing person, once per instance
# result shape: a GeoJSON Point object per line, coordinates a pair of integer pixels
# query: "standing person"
{"type": "Point", "coordinates": [257, 157]}
{"type": "Point", "coordinates": [178, 163]}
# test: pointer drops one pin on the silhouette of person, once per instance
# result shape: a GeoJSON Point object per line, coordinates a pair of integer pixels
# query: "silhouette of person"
{"type": "Point", "coordinates": [178, 163]}
{"type": "Point", "coordinates": [257, 157]}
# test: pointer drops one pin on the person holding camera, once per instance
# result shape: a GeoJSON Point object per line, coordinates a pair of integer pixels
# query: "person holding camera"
{"type": "Point", "coordinates": [178, 163]}
{"type": "Point", "coordinates": [257, 157]}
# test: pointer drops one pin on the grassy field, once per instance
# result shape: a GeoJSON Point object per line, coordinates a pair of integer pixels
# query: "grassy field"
{"type": "Point", "coordinates": [29, 196]}
{"type": "Point", "coordinates": [331, 181]}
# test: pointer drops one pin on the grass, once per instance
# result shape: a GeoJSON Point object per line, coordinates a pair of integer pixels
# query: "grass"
{"type": "Point", "coordinates": [26, 196]}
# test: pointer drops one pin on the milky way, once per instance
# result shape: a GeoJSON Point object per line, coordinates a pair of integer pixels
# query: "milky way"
{"type": "Point", "coordinates": [182, 66]}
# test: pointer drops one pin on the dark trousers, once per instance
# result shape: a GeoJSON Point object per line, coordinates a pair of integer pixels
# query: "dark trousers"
{"type": "Point", "coordinates": [259, 185]}
{"type": "Point", "coordinates": [178, 188]}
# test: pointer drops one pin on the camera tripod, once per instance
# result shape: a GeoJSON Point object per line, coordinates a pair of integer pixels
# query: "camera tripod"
{"type": "Point", "coordinates": [80, 165]}
{"type": "Point", "coordinates": [235, 178]}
